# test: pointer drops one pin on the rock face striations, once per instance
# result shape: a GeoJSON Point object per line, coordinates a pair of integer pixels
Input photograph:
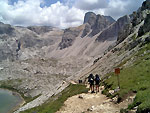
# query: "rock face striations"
{"type": "Point", "coordinates": [146, 27]}
{"type": "Point", "coordinates": [97, 23]}
{"type": "Point", "coordinates": [68, 37]}
{"type": "Point", "coordinates": [90, 18]}
{"type": "Point", "coordinates": [112, 31]}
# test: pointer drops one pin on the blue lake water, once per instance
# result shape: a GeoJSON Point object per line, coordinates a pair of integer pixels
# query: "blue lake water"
{"type": "Point", "coordinates": [8, 101]}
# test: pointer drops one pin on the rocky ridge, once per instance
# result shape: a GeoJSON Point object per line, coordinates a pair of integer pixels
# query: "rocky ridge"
{"type": "Point", "coordinates": [129, 41]}
{"type": "Point", "coordinates": [97, 23]}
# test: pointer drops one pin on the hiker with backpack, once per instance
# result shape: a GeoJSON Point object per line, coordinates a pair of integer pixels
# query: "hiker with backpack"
{"type": "Point", "coordinates": [97, 82]}
{"type": "Point", "coordinates": [91, 82]}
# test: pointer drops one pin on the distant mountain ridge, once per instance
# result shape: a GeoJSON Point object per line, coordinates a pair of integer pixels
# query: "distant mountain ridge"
{"type": "Point", "coordinates": [96, 27]}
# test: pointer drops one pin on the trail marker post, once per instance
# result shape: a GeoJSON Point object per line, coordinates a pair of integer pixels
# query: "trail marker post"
{"type": "Point", "coordinates": [117, 72]}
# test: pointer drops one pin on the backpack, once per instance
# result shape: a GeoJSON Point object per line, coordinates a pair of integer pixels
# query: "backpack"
{"type": "Point", "coordinates": [91, 78]}
{"type": "Point", "coordinates": [97, 79]}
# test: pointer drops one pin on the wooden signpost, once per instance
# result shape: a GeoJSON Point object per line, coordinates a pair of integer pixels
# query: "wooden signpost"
{"type": "Point", "coordinates": [117, 72]}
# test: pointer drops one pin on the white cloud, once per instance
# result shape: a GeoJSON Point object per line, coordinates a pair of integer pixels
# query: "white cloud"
{"type": "Point", "coordinates": [29, 12]}
{"type": "Point", "coordinates": [91, 4]}
{"type": "Point", "coordinates": [63, 15]}
{"type": "Point", "coordinates": [118, 8]}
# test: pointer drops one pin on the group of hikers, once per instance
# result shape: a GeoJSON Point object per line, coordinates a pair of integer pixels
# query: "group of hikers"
{"type": "Point", "coordinates": [94, 81]}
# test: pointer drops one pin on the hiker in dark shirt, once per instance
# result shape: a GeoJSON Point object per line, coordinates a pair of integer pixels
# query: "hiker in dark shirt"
{"type": "Point", "coordinates": [18, 48]}
{"type": "Point", "coordinates": [18, 45]}
{"type": "Point", "coordinates": [91, 82]}
{"type": "Point", "coordinates": [97, 82]}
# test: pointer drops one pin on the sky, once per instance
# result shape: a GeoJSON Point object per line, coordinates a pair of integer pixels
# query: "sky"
{"type": "Point", "coordinates": [61, 13]}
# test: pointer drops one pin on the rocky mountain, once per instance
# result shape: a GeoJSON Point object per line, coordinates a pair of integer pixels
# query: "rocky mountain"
{"type": "Point", "coordinates": [40, 29]}
{"type": "Point", "coordinates": [112, 31]}
{"type": "Point", "coordinates": [131, 33]}
{"type": "Point", "coordinates": [68, 37]}
{"type": "Point", "coordinates": [97, 23]}
{"type": "Point", "coordinates": [110, 19]}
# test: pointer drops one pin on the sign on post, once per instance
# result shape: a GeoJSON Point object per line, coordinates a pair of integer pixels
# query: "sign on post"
{"type": "Point", "coordinates": [117, 72]}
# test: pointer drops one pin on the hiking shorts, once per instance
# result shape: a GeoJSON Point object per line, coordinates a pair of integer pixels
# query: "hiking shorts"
{"type": "Point", "coordinates": [91, 84]}
{"type": "Point", "coordinates": [97, 83]}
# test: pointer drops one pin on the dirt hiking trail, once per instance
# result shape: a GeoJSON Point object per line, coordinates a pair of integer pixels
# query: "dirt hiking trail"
{"type": "Point", "coordinates": [93, 103]}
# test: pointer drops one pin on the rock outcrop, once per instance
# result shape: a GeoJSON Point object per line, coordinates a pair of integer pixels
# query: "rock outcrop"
{"type": "Point", "coordinates": [145, 5]}
{"type": "Point", "coordinates": [146, 27]}
{"type": "Point", "coordinates": [86, 30]}
{"type": "Point", "coordinates": [97, 23]}
{"type": "Point", "coordinates": [68, 37]}
{"type": "Point", "coordinates": [6, 29]}
{"type": "Point", "coordinates": [90, 18]}
{"type": "Point", "coordinates": [100, 24]}
{"type": "Point", "coordinates": [110, 19]}
{"type": "Point", "coordinates": [112, 31]}
{"type": "Point", "coordinates": [40, 29]}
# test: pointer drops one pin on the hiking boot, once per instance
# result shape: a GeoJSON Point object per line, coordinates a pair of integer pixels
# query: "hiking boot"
{"type": "Point", "coordinates": [92, 92]}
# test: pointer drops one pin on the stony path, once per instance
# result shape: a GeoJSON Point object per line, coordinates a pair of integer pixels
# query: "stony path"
{"type": "Point", "coordinates": [92, 103]}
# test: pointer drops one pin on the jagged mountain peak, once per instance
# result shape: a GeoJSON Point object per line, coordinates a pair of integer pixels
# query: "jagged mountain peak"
{"type": "Point", "coordinates": [110, 19]}
{"type": "Point", "coordinates": [145, 5]}
{"type": "Point", "coordinates": [90, 18]}
{"type": "Point", "coordinates": [97, 23]}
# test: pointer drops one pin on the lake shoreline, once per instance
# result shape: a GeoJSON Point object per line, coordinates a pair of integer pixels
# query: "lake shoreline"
{"type": "Point", "coordinates": [18, 95]}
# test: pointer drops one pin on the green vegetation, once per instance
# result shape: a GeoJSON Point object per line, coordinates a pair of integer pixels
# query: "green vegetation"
{"type": "Point", "coordinates": [56, 102]}
{"type": "Point", "coordinates": [134, 79]}
{"type": "Point", "coordinates": [12, 85]}
{"type": "Point", "coordinates": [134, 37]}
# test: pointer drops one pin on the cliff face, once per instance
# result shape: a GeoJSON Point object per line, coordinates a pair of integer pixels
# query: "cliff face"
{"type": "Point", "coordinates": [135, 19]}
{"type": "Point", "coordinates": [97, 23]}
{"type": "Point", "coordinates": [68, 37]}
{"type": "Point", "coordinates": [112, 31]}
{"type": "Point", "coordinates": [100, 24]}
{"type": "Point", "coordinates": [146, 27]}
{"type": "Point", "coordinates": [90, 18]}
{"type": "Point", "coordinates": [145, 5]}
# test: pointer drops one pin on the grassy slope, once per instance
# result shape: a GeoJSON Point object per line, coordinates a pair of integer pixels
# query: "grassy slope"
{"type": "Point", "coordinates": [135, 78]}
{"type": "Point", "coordinates": [56, 102]}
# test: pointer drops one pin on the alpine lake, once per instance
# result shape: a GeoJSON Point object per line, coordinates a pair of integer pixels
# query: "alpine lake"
{"type": "Point", "coordinates": [9, 101]}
